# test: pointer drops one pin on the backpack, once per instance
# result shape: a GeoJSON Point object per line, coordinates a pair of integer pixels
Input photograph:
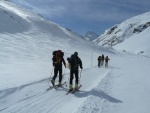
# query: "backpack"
{"type": "Point", "coordinates": [62, 54]}
{"type": "Point", "coordinates": [75, 61]}
{"type": "Point", "coordinates": [56, 51]}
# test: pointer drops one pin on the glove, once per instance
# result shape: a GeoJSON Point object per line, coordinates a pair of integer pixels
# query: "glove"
{"type": "Point", "coordinates": [81, 67]}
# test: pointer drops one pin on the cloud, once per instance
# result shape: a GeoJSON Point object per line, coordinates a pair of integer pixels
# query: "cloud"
{"type": "Point", "coordinates": [94, 10]}
{"type": "Point", "coordinates": [108, 9]}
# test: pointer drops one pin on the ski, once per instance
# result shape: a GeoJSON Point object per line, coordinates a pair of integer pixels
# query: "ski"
{"type": "Point", "coordinates": [74, 90]}
{"type": "Point", "coordinates": [56, 86]}
{"type": "Point", "coordinates": [69, 91]}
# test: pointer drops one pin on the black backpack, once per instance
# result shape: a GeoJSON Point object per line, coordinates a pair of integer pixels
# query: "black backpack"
{"type": "Point", "coordinates": [54, 53]}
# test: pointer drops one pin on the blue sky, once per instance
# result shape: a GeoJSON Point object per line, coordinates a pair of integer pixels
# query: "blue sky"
{"type": "Point", "coordinates": [86, 15]}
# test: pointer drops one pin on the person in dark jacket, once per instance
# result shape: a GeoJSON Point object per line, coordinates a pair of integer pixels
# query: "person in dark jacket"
{"type": "Point", "coordinates": [75, 62]}
{"type": "Point", "coordinates": [103, 58]}
{"type": "Point", "coordinates": [99, 61]}
{"type": "Point", "coordinates": [57, 63]}
{"type": "Point", "coordinates": [106, 61]}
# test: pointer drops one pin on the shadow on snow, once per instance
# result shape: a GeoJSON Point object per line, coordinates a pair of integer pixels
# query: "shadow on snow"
{"type": "Point", "coordinates": [100, 94]}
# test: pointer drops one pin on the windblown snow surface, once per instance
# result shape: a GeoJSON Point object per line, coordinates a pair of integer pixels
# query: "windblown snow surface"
{"type": "Point", "coordinates": [26, 45]}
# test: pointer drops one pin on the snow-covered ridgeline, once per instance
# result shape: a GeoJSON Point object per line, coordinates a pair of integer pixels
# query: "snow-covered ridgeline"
{"type": "Point", "coordinates": [125, 30]}
{"type": "Point", "coordinates": [136, 28]}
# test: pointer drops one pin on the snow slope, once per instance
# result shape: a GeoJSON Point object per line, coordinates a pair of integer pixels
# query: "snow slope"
{"type": "Point", "coordinates": [138, 44]}
{"type": "Point", "coordinates": [26, 68]}
{"type": "Point", "coordinates": [135, 27]}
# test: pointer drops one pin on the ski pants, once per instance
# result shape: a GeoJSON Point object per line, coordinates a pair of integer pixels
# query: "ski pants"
{"type": "Point", "coordinates": [99, 63]}
{"type": "Point", "coordinates": [56, 70]}
{"type": "Point", "coordinates": [72, 72]}
{"type": "Point", "coordinates": [102, 63]}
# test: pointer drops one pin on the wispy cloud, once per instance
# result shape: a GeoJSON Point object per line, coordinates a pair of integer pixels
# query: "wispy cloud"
{"type": "Point", "coordinates": [96, 10]}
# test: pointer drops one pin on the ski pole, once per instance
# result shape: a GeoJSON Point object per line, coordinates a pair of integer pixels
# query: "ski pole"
{"type": "Point", "coordinates": [67, 81]}
{"type": "Point", "coordinates": [63, 74]}
{"type": "Point", "coordinates": [80, 76]}
{"type": "Point", "coordinates": [64, 71]}
{"type": "Point", "coordinates": [51, 73]}
{"type": "Point", "coordinates": [50, 77]}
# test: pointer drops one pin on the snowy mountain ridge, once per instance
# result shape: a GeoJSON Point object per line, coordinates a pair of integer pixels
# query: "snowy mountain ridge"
{"type": "Point", "coordinates": [29, 19]}
{"type": "Point", "coordinates": [120, 32]}
{"type": "Point", "coordinates": [27, 23]}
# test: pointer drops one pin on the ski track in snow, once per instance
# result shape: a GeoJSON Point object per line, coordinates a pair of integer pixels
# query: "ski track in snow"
{"type": "Point", "coordinates": [36, 98]}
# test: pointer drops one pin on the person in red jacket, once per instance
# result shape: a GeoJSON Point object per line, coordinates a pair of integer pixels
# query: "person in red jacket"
{"type": "Point", "coordinates": [57, 63]}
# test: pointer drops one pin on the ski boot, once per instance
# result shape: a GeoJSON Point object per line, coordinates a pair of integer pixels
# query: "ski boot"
{"type": "Point", "coordinates": [76, 87]}
{"type": "Point", "coordinates": [71, 88]}
{"type": "Point", "coordinates": [53, 82]}
{"type": "Point", "coordinates": [59, 84]}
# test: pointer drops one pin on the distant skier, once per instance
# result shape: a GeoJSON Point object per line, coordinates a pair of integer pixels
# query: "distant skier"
{"type": "Point", "coordinates": [103, 58]}
{"type": "Point", "coordinates": [99, 61]}
{"type": "Point", "coordinates": [106, 61]}
{"type": "Point", "coordinates": [57, 63]}
{"type": "Point", "coordinates": [75, 62]}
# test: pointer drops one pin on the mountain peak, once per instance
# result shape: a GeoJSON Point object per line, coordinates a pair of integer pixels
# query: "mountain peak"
{"type": "Point", "coordinates": [91, 35]}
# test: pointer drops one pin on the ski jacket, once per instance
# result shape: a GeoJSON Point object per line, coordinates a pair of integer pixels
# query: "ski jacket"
{"type": "Point", "coordinates": [106, 59]}
{"type": "Point", "coordinates": [75, 62]}
{"type": "Point", "coordinates": [99, 58]}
